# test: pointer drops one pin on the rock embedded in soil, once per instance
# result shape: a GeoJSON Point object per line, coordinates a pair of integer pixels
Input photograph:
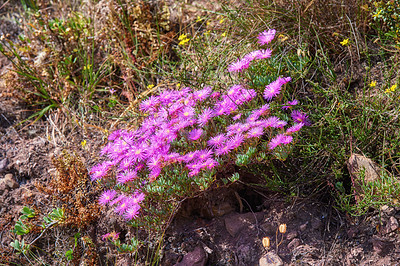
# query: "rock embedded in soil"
{"type": "Point", "coordinates": [3, 165]}
{"type": "Point", "coordinates": [9, 181]}
{"type": "Point", "coordinates": [197, 257]}
{"type": "Point", "coordinates": [291, 235]}
{"type": "Point", "coordinates": [270, 259]}
{"type": "Point", "coordinates": [237, 222]}
{"type": "Point", "coordinates": [294, 244]}
{"type": "Point", "coordinates": [303, 227]}
{"type": "Point", "coordinates": [389, 211]}
{"type": "Point", "coordinates": [392, 225]}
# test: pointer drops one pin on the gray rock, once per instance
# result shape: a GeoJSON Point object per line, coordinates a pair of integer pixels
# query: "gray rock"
{"type": "Point", "coordinates": [294, 244]}
{"type": "Point", "coordinates": [270, 259]}
{"type": "Point", "coordinates": [393, 224]}
{"type": "Point", "coordinates": [3, 165]}
{"type": "Point", "coordinates": [389, 211]}
{"type": "Point", "coordinates": [291, 235]}
{"type": "Point", "coordinates": [197, 257]}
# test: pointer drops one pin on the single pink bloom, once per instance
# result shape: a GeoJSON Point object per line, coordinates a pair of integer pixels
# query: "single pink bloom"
{"type": "Point", "coordinates": [266, 36]}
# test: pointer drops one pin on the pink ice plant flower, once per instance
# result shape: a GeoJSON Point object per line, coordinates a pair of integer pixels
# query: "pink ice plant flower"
{"type": "Point", "coordinates": [217, 141]}
{"type": "Point", "coordinates": [300, 117]}
{"type": "Point", "coordinates": [195, 134]}
{"type": "Point", "coordinates": [274, 88]}
{"type": "Point", "coordinates": [113, 236]}
{"type": "Point", "coordinates": [294, 128]}
{"type": "Point", "coordinates": [289, 104]}
{"type": "Point", "coordinates": [239, 65]}
{"type": "Point", "coordinates": [107, 196]}
{"type": "Point", "coordinates": [266, 36]}
{"type": "Point", "coordinates": [278, 140]}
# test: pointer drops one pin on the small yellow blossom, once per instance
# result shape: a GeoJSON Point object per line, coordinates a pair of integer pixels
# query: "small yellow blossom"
{"type": "Point", "coordinates": [88, 67]}
{"type": "Point", "coordinates": [372, 84]}
{"type": "Point", "coordinates": [178, 85]}
{"type": "Point", "coordinates": [207, 33]}
{"type": "Point", "coordinates": [345, 42]}
{"type": "Point", "coordinates": [199, 19]}
{"type": "Point", "coordinates": [377, 14]}
{"type": "Point", "coordinates": [282, 37]}
{"type": "Point", "coordinates": [208, 23]}
{"type": "Point", "coordinates": [221, 20]}
{"type": "Point", "coordinates": [83, 143]}
{"type": "Point", "coordinates": [183, 39]}
{"type": "Point", "coordinates": [150, 86]}
{"type": "Point", "coordinates": [223, 34]}
{"type": "Point", "coordinates": [391, 89]}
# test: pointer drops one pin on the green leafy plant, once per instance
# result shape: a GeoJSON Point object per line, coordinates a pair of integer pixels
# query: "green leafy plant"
{"type": "Point", "coordinates": [388, 12]}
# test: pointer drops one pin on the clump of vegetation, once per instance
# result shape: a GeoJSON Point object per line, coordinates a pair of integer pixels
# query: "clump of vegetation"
{"type": "Point", "coordinates": [388, 12]}
{"type": "Point", "coordinates": [189, 137]}
{"type": "Point", "coordinates": [136, 66]}
{"type": "Point", "coordinates": [73, 210]}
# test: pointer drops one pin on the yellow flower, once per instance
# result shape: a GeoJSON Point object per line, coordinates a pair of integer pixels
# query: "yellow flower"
{"type": "Point", "coordinates": [377, 14]}
{"type": "Point", "coordinates": [83, 143]}
{"type": "Point", "coordinates": [183, 39]}
{"type": "Point", "coordinates": [391, 89]}
{"type": "Point", "coordinates": [150, 86]}
{"type": "Point", "coordinates": [221, 20]}
{"type": "Point", "coordinates": [372, 84]}
{"type": "Point", "coordinates": [345, 42]}
{"type": "Point", "coordinates": [199, 19]}
{"type": "Point", "coordinates": [282, 37]}
{"type": "Point", "coordinates": [223, 34]}
{"type": "Point", "coordinates": [87, 67]}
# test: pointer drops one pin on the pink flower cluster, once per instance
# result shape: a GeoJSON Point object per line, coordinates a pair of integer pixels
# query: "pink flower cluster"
{"type": "Point", "coordinates": [263, 38]}
{"type": "Point", "coordinates": [189, 117]}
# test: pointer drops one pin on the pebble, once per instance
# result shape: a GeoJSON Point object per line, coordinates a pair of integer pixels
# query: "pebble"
{"type": "Point", "coordinates": [291, 235]}
{"type": "Point", "coordinates": [389, 211]}
{"type": "Point", "coordinates": [197, 257]}
{"type": "Point", "coordinates": [294, 244]}
{"type": "Point", "coordinates": [303, 227]}
{"type": "Point", "coordinates": [3, 165]}
{"type": "Point", "coordinates": [393, 224]}
{"type": "Point", "coordinates": [9, 181]}
{"type": "Point", "coordinates": [270, 259]}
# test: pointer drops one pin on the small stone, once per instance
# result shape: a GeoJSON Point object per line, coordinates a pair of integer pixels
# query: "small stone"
{"type": "Point", "coordinates": [393, 224]}
{"type": "Point", "coordinates": [196, 258]}
{"type": "Point", "coordinates": [235, 223]}
{"type": "Point", "coordinates": [268, 228]}
{"type": "Point", "coordinates": [291, 235]}
{"type": "Point", "coordinates": [303, 227]}
{"type": "Point", "coordinates": [316, 224]}
{"type": "Point", "coordinates": [389, 211]}
{"type": "Point", "coordinates": [270, 259]}
{"type": "Point", "coordinates": [294, 244]}
{"type": "Point", "coordinates": [3, 187]}
{"type": "Point", "coordinates": [10, 181]}
{"type": "Point", "coordinates": [3, 165]}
